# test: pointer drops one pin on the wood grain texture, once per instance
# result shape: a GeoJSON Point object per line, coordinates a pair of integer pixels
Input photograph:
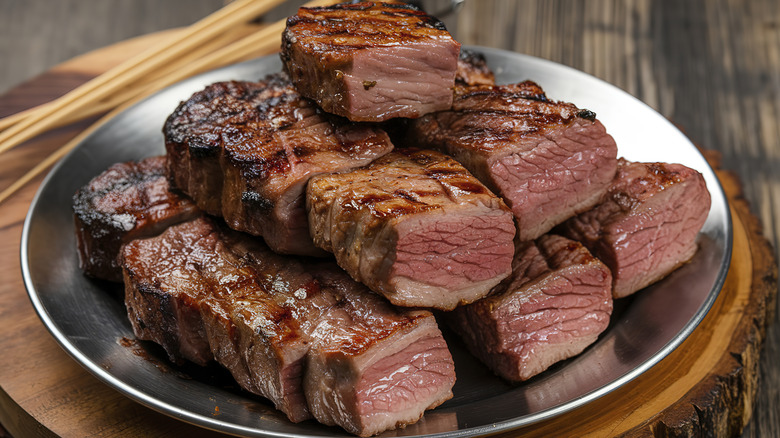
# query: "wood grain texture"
{"type": "Point", "coordinates": [713, 67]}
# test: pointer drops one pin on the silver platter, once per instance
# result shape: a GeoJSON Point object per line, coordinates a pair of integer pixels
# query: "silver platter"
{"type": "Point", "coordinates": [88, 318]}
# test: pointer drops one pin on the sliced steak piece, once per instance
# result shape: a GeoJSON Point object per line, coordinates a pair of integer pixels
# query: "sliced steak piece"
{"type": "Point", "coordinates": [415, 227]}
{"type": "Point", "coordinates": [245, 150]}
{"type": "Point", "coordinates": [373, 367]}
{"type": "Point", "coordinates": [190, 266]}
{"type": "Point", "coordinates": [473, 69]}
{"type": "Point", "coordinates": [371, 61]}
{"type": "Point", "coordinates": [646, 225]}
{"type": "Point", "coordinates": [548, 160]}
{"type": "Point", "coordinates": [127, 201]}
{"type": "Point", "coordinates": [556, 303]}
{"type": "Point", "coordinates": [300, 333]}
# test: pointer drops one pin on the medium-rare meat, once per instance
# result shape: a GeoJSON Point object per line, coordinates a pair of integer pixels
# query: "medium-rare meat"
{"type": "Point", "coordinates": [554, 305]}
{"type": "Point", "coordinates": [473, 69]}
{"type": "Point", "coordinates": [371, 61]}
{"type": "Point", "coordinates": [415, 227]}
{"type": "Point", "coordinates": [127, 201]}
{"type": "Point", "coordinates": [298, 332]}
{"type": "Point", "coordinates": [646, 225]}
{"type": "Point", "coordinates": [548, 160]}
{"type": "Point", "coordinates": [245, 150]}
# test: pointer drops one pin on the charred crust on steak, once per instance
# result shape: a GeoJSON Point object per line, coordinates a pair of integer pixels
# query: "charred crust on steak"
{"type": "Point", "coordinates": [262, 142]}
{"type": "Point", "coordinates": [257, 201]}
{"type": "Point", "coordinates": [127, 201]}
{"type": "Point", "coordinates": [587, 115]}
{"type": "Point", "coordinates": [473, 69]}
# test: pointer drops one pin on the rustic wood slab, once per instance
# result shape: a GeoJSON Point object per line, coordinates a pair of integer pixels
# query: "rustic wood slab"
{"type": "Point", "coordinates": [707, 386]}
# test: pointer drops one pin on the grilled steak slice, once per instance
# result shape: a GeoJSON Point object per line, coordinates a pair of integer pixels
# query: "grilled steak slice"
{"type": "Point", "coordinates": [127, 201]}
{"type": "Point", "coordinates": [555, 304]}
{"type": "Point", "coordinates": [245, 150]}
{"type": "Point", "coordinates": [646, 225]}
{"type": "Point", "coordinates": [300, 333]}
{"type": "Point", "coordinates": [371, 61]}
{"type": "Point", "coordinates": [548, 160]}
{"type": "Point", "coordinates": [473, 69]}
{"type": "Point", "coordinates": [373, 367]}
{"type": "Point", "coordinates": [415, 227]}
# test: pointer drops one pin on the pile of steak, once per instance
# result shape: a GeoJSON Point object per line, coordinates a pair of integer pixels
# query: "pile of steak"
{"type": "Point", "coordinates": [303, 335]}
{"type": "Point", "coordinates": [415, 227]}
{"type": "Point", "coordinates": [245, 151]}
{"type": "Point", "coordinates": [645, 226]}
{"type": "Point", "coordinates": [556, 303]}
{"type": "Point", "coordinates": [299, 159]}
{"type": "Point", "coordinates": [299, 332]}
{"type": "Point", "coordinates": [128, 201]}
{"type": "Point", "coordinates": [548, 160]}
{"type": "Point", "coordinates": [371, 61]}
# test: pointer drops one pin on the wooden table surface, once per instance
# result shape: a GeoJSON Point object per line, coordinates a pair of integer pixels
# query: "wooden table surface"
{"type": "Point", "coordinates": [712, 67]}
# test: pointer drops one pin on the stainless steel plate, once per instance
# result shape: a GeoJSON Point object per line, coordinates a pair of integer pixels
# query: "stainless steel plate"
{"type": "Point", "coordinates": [88, 318]}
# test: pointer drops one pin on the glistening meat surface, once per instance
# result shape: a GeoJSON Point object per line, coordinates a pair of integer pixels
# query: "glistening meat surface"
{"type": "Point", "coordinates": [415, 227]}
{"type": "Point", "coordinates": [303, 335]}
{"type": "Point", "coordinates": [245, 151]}
{"type": "Point", "coordinates": [556, 303]}
{"type": "Point", "coordinates": [548, 160]}
{"type": "Point", "coordinates": [646, 224]}
{"type": "Point", "coordinates": [128, 201]}
{"type": "Point", "coordinates": [371, 61]}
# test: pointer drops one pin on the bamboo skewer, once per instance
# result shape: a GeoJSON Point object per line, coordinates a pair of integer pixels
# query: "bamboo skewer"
{"type": "Point", "coordinates": [115, 100]}
{"type": "Point", "coordinates": [13, 119]}
{"type": "Point", "coordinates": [265, 41]}
{"type": "Point", "coordinates": [234, 14]}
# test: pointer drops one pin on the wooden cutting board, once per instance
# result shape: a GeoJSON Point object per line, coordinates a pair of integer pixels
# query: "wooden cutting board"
{"type": "Point", "coordinates": [705, 386]}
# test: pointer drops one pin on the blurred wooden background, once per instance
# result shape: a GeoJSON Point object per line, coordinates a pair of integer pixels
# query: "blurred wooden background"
{"type": "Point", "coordinates": [712, 67]}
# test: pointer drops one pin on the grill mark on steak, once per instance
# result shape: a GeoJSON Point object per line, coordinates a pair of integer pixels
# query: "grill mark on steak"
{"type": "Point", "coordinates": [245, 150]}
{"type": "Point", "coordinates": [548, 160]}
{"type": "Point", "coordinates": [646, 224]}
{"type": "Point", "coordinates": [372, 61]}
{"type": "Point", "coordinates": [415, 227]}
{"type": "Point", "coordinates": [556, 303]}
{"type": "Point", "coordinates": [300, 333]}
{"type": "Point", "coordinates": [127, 201]}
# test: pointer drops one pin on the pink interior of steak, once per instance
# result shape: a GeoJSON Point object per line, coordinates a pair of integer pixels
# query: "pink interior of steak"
{"type": "Point", "coordinates": [445, 253]}
{"type": "Point", "coordinates": [647, 224]}
{"type": "Point", "coordinates": [566, 172]}
{"type": "Point", "coordinates": [400, 81]}
{"type": "Point", "coordinates": [655, 240]}
{"type": "Point", "coordinates": [371, 61]}
{"type": "Point", "coordinates": [561, 317]}
{"type": "Point", "coordinates": [403, 385]}
{"type": "Point", "coordinates": [556, 303]}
